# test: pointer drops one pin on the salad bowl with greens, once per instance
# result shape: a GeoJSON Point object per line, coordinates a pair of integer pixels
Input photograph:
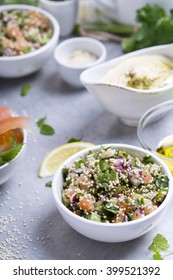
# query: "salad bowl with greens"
{"type": "Point", "coordinates": [28, 37]}
{"type": "Point", "coordinates": [10, 159]}
{"type": "Point", "coordinates": [113, 192]}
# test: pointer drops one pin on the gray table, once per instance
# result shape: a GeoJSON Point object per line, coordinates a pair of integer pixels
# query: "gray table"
{"type": "Point", "coordinates": [30, 224]}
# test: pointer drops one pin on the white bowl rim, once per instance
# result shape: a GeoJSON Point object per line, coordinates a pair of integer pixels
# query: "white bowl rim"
{"type": "Point", "coordinates": [59, 3]}
{"type": "Point", "coordinates": [118, 146]}
{"type": "Point", "coordinates": [81, 39]}
{"type": "Point", "coordinates": [21, 150]}
{"type": "Point", "coordinates": [123, 57]}
{"type": "Point", "coordinates": [50, 17]}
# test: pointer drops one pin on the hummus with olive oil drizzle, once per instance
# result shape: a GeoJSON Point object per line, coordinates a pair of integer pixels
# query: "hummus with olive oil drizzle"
{"type": "Point", "coordinates": [145, 72]}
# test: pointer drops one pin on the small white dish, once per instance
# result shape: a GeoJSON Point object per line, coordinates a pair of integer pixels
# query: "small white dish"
{"type": "Point", "coordinates": [71, 73]}
{"type": "Point", "coordinates": [8, 170]}
{"type": "Point", "coordinates": [111, 232]}
{"type": "Point", "coordinates": [25, 64]}
{"type": "Point", "coordinates": [127, 103]}
{"type": "Point", "coordinates": [64, 11]}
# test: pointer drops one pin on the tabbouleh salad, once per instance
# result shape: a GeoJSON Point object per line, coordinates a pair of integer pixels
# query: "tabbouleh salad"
{"type": "Point", "coordinates": [23, 31]}
{"type": "Point", "coordinates": [112, 186]}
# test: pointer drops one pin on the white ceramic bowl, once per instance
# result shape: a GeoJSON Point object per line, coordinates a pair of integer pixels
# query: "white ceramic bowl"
{"type": "Point", "coordinates": [64, 11]}
{"type": "Point", "coordinates": [117, 9]}
{"type": "Point", "coordinates": [22, 65]}
{"type": "Point", "coordinates": [126, 103]}
{"type": "Point", "coordinates": [7, 170]}
{"type": "Point", "coordinates": [69, 73]}
{"type": "Point", "coordinates": [104, 231]}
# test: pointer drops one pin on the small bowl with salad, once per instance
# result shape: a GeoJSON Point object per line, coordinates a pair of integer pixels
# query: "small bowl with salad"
{"type": "Point", "coordinates": [113, 192]}
{"type": "Point", "coordinates": [13, 137]}
{"type": "Point", "coordinates": [28, 37]}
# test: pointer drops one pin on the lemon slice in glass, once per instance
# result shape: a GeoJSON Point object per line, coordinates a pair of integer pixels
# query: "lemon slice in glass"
{"type": "Point", "coordinates": [57, 156]}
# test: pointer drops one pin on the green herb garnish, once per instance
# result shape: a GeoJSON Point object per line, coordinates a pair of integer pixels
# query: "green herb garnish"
{"type": "Point", "coordinates": [153, 22]}
{"type": "Point", "coordinates": [72, 140]}
{"type": "Point", "coordinates": [159, 244]}
{"type": "Point", "coordinates": [7, 156]}
{"type": "Point", "coordinates": [25, 89]}
{"type": "Point", "coordinates": [147, 159]}
{"type": "Point", "coordinates": [49, 184]}
{"type": "Point", "coordinates": [45, 129]}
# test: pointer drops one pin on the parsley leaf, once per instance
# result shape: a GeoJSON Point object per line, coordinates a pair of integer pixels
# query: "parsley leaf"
{"type": "Point", "coordinates": [157, 256]}
{"type": "Point", "coordinates": [159, 244]}
{"type": "Point", "coordinates": [147, 159]}
{"type": "Point", "coordinates": [49, 184]}
{"type": "Point", "coordinates": [45, 129]}
{"type": "Point", "coordinates": [72, 140]}
{"type": "Point", "coordinates": [25, 89]}
{"type": "Point", "coordinates": [162, 182]}
{"type": "Point", "coordinates": [104, 165]}
{"type": "Point", "coordinates": [78, 163]}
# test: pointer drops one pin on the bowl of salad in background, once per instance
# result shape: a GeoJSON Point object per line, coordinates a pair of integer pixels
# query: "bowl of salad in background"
{"type": "Point", "coordinates": [28, 37]}
{"type": "Point", "coordinates": [155, 131]}
{"type": "Point", "coordinates": [113, 192]}
{"type": "Point", "coordinates": [13, 137]}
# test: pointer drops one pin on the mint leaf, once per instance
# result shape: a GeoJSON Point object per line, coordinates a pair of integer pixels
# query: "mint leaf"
{"type": "Point", "coordinates": [40, 122]}
{"type": "Point", "coordinates": [45, 129]}
{"type": "Point", "coordinates": [25, 89]}
{"type": "Point", "coordinates": [159, 244]}
{"type": "Point", "coordinates": [72, 140]}
{"type": "Point", "coordinates": [157, 256]}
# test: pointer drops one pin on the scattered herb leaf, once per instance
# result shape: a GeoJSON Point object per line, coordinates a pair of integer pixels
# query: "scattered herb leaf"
{"type": "Point", "coordinates": [40, 122]}
{"type": "Point", "coordinates": [159, 244]}
{"type": "Point", "coordinates": [49, 184]}
{"type": "Point", "coordinates": [25, 89]}
{"type": "Point", "coordinates": [72, 140]}
{"type": "Point", "coordinates": [45, 129]}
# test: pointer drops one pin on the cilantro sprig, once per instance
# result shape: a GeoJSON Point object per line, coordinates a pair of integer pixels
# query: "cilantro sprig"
{"type": "Point", "coordinates": [159, 245]}
{"type": "Point", "coordinates": [155, 28]}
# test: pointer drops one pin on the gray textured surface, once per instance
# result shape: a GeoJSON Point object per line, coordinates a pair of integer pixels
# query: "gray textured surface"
{"type": "Point", "coordinates": [40, 231]}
